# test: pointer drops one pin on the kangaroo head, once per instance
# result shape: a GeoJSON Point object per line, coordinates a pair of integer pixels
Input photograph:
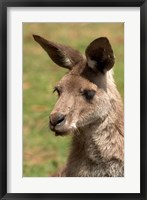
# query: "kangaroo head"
{"type": "Point", "coordinates": [83, 97]}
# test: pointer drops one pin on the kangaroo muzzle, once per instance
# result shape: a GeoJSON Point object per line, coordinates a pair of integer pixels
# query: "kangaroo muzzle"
{"type": "Point", "coordinates": [57, 120]}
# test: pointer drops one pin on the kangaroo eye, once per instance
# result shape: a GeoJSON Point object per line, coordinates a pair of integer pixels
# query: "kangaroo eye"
{"type": "Point", "coordinates": [88, 94]}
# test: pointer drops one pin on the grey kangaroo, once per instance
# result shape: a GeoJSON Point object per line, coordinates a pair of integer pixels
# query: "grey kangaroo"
{"type": "Point", "coordinates": [90, 107]}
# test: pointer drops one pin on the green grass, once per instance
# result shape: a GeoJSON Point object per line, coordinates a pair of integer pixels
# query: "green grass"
{"type": "Point", "coordinates": [43, 153]}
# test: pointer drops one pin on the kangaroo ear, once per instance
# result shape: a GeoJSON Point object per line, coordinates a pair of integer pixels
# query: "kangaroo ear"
{"type": "Point", "coordinates": [100, 55]}
{"type": "Point", "coordinates": [62, 55]}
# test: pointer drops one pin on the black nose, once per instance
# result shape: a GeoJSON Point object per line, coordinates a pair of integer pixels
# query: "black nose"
{"type": "Point", "coordinates": [56, 119]}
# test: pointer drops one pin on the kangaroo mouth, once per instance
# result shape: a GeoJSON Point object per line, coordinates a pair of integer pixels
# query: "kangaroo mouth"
{"type": "Point", "coordinates": [59, 130]}
{"type": "Point", "coordinates": [57, 133]}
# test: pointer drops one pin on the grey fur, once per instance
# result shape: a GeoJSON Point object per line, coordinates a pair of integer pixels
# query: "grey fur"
{"type": "Point", "coordinates": [97, 124]}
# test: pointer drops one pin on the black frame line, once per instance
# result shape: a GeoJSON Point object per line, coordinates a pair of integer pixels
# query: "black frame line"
{"type": "Point", "coordinates": [4, 4]}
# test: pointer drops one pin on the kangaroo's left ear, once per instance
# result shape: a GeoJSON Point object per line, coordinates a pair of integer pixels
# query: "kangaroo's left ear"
{"type": "Point", "coordinates": [62, 55]}
{"type": "Point", "coordinates": [100, 57]}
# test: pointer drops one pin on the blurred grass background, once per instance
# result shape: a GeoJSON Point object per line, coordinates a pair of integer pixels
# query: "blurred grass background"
{"type": "Point", "coordinates": [43, 153]}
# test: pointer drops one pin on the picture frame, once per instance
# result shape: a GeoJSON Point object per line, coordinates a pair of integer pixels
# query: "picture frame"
{"type": "Point", "coordinates": [142, 4]}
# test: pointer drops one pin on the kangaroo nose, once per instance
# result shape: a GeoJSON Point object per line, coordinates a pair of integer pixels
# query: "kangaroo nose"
{"type": "Point", "coordinates": [57, 119]}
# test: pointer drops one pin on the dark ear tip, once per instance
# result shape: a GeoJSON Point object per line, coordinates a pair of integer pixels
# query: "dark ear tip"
{"type": "Point", "coordinates": [103, 39]}
{"type": "Point", "coordinates": [36, 37]}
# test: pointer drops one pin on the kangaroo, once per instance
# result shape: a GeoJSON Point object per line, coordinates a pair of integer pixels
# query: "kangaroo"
{"type": "Point", "coordinates": [90, 107]}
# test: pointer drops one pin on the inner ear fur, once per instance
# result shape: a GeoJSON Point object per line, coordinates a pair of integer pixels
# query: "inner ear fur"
{"type": "Point", "coordinates": [99, 54]}
{"type": "Point", "coordinates": [62, 55]}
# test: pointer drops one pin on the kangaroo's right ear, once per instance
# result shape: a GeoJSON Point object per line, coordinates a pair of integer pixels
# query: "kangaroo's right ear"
{"type": "Point", "coordinates": [100, 57]}
{"type": "Point", "coordinates": [63, 56]}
